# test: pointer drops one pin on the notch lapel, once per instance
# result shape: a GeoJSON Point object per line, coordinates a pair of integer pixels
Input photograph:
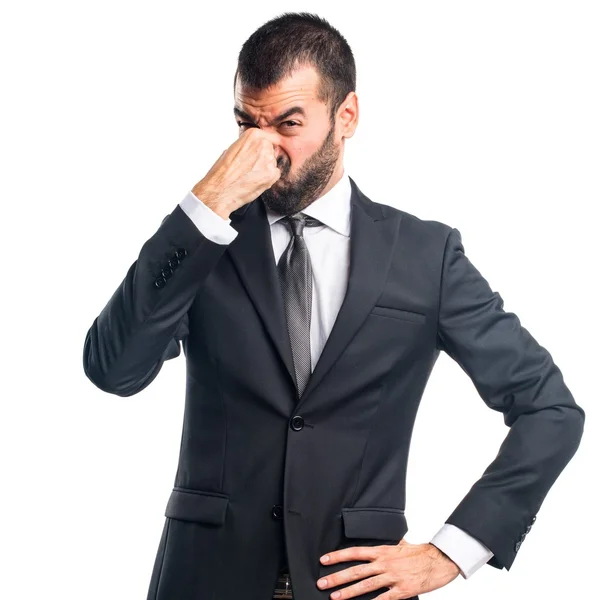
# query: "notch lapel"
{"type": "Point", "coordinates": [252, 254]}
{"type": "Point", "coordinates": [373, 237]}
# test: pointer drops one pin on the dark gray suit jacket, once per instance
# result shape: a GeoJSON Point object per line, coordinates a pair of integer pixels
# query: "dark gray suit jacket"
{"type": "Point", "coordinates": [327, 470]}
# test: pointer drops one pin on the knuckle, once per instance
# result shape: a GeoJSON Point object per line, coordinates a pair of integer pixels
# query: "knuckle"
{"type": "Point", "coordinates": [250, 133]}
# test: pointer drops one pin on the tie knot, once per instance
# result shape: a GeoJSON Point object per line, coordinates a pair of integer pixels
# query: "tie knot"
{"type": "Point", "coordinates": [298, 221]}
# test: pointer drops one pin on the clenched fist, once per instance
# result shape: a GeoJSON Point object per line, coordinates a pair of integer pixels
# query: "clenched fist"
{"type": "Point", "coordinates": [243, 171]}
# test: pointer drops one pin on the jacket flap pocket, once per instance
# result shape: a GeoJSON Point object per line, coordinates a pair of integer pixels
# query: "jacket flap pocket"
{"type": "Point", "coordinates": [195, 505]}
{"type": "Point", "coordinates": [378, 523]}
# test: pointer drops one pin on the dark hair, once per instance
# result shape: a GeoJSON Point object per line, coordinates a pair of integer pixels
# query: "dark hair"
{"type": "Point", "coordinates": [292, 40]}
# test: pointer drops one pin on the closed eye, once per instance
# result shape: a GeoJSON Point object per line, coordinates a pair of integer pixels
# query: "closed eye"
{"type": "Point", "coordinates": [243, 124]}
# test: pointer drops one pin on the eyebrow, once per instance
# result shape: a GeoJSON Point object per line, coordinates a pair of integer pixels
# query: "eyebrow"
{"type": "Point", "coordinates": [284, 115]}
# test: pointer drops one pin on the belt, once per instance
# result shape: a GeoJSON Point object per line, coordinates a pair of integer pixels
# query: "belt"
{"type": "Point", "coordinates": [283, 587]}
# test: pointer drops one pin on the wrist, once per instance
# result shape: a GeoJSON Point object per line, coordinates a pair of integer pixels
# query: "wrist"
{"type": "Point", "coordinates": [444, 559]}
{"type": "Point", "coordinates": [216, 202]}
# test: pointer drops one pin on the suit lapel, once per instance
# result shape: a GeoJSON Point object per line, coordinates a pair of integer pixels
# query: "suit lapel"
{"type": "Point", "coordinates": [252, 254]}
{"type": "Point", "coordinates": [373, 237]}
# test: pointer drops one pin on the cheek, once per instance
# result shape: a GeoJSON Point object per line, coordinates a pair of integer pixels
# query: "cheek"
{"type": "Point", "coordinates": [298, 152]}
{"type": "Point", "coordinates": [299, 147]}
{"type": "Point", "coordinates": [294, 150]}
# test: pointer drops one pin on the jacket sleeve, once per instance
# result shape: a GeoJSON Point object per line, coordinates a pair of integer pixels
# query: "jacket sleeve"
{"type": "Point", "coordinates": [516, 376]}
{"type": "Point", "coordinates": [146, 318]}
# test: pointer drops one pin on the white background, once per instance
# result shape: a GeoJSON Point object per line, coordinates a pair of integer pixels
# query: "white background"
{"type": "Point", "coordinates": [482, 115]}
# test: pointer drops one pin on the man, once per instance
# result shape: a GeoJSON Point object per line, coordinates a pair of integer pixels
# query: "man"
{"type": "Point", "coordinates": [311, 318]}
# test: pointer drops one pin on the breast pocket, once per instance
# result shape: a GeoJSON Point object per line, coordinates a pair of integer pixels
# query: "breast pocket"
{"type": "Point", "coordinates": [398, 313]}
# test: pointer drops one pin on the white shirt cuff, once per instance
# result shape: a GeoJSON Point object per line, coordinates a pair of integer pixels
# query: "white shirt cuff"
{"type": "Point", "coordinates": [465, 550]}
{"type": "Point", "coordinates": [208, 222]}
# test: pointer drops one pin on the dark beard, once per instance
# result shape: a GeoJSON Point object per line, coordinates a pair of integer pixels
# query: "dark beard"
{"type": "Point", "coordinates": [287, 198]}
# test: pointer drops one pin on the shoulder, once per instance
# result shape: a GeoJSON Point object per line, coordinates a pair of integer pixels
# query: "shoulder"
{"type": "Point", "coordinates": [430, 234]}
{"type": "Point", "coordinates": [426, 231]}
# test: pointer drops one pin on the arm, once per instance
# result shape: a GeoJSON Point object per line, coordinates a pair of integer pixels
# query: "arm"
{"type": "Point", "coordinates": [145, 320]}
{"type": "Point", "coordinates": [516, 376]}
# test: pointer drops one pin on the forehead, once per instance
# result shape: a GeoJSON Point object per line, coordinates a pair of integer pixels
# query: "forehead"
{"type": "Point", "coordinates": [299, 89]}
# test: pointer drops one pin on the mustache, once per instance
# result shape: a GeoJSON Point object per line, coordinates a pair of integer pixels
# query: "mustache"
{"type": "Point", "coordinates": [284, 166]}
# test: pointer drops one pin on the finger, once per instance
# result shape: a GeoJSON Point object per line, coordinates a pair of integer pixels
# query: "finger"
{"type": "Point", "coordinates": [389, 595]}
{"type": "Point", "coordinates": [348, 575]}
{"type": "Point", "coordinates": [353, 553]}
{"type": "Point", "coordinates": [363, 587]}
{"type": "Point", "coordinates": [271, 137]}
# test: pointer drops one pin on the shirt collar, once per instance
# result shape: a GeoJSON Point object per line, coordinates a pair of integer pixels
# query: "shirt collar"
{"type": "Point", "coordinates": [332, 209]}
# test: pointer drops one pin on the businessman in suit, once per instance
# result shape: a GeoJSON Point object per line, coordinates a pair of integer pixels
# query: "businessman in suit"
{"type": "Point", "coordinates": [311, 318]}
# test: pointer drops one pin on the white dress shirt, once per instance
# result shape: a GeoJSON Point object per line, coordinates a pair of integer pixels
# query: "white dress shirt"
{"type": "Point", "coordinates": [329, 249]}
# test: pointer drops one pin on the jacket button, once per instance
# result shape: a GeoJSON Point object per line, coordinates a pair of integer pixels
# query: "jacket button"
{"type": "Point", "coordinates": [277, 511]}
{"type": "Point", "coordinates": [160, 282]}
{"type": "Point", "coordinates": [181, 253]}
{"type": "Point", "coordinates": [297, 423]}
